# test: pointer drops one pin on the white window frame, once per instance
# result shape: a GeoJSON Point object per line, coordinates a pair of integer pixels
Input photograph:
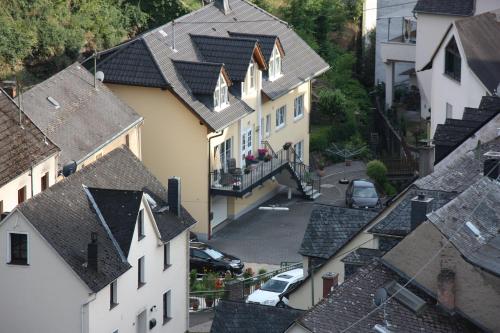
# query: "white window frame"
{"type": "Point", "coordinates": [449, 111]}
{"type": "Point", "coordinates": [141, 233]}
{"type": "Point", "coordinates": [113, 302]}
{"type": "Point", "coordinates": [221, 95]}
{"type": "Point", "coordinates": [275, 64]}
{"type": "Point", "coordinates": [298, 107]}
{"type": "Point", "coordinates": [251, 75]}
{"type": "Point", "coordinates": [280, 115]}
{"type": "Point", "coordinates": [225, 154]}
{"type": "Point", "coordinates": [168, 315]}
{"type": "Point", "coordinates": [268, 125]}
{"type": "Point", "coordinates": [299, 150]}
{"type": "Point", "coordinates": [141, 266]}
{"type": "Point", "coordinates": [9, 248]}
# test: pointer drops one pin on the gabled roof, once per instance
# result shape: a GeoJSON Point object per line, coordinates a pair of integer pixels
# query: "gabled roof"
{"type": "Point", "coordinates": [65, 216]}
{"type": "Point", "coordinates": [353, 299]}
{"type": "Point", "coordinates": [86, 118]}
{"type": "Point", "coordinates": [398, 221]}
{"type": "Point", "coordinates": [479, 205]}
{"type": "Point", "coordinates": [446, 7]}
{"type": "Point", "coordinates": [201, 77]}
{"type": "Point", "coordinates": [236, 317]}
{"type": "Point", "coordinates": [362, 256]}
{"type": "Point", "coordinates": [330, 228]}
{"type": "Point", "coordinates": [267, 42]}
{"type": "Point", "coordinates": [119, 209]}
{"type": "Point", "coordinates": [300, 64]}
{"type": "Point", "coordinates": [20, 147]}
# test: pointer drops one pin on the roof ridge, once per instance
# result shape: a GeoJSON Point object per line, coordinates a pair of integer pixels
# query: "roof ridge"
{"type": "Point", "coordinates": [198, 62]}
{"type": "Point", "coordinates": [224, 37]}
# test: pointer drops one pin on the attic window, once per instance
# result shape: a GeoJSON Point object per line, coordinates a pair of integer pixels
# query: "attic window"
{"type": "Point", "coordinates": [221, 98]}
{"type": "Point", "coordinates": [275, 64]}
{"type": "Point", "coordinates": [53, 102]}
{"type": "Point", "coordinates": [249, 83]}
{"type": "Point", "coordinates": [406, 297]}
{"type": "Point", "coordinates": [452, 61]}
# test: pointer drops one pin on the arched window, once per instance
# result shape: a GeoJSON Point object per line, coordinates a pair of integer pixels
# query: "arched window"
{"type": "Point", "coordinates": [452, 61]}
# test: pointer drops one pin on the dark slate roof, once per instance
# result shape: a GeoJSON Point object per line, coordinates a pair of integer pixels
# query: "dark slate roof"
{"type": "Point", "coordinates": [87, 117]}
{"type": "Point", "coordinates": [239, 317]}
{"type": "Point", "coordinates": [266, 42]}
{"type": "Point", "coordinates": [362, 256]}
{"type": "Point", "coordinates": [65, 217]}
{"type": "Point", "coordinates": [234, 53]}
{"type": "Point", "coordinates": [119, 209]}
{"type": "Point", "coordinates": [201, 77]}
{"type": "Point", "coordinates": [353, 299]}
{"type": "Point", "coordinates": [20, 148]}
{"type": "Point", "coordinates": [398, 221]}
{"type": "Point", "coordinates": [479, 204]}
{"type": "Point", "coordinates": [446, 7]}
{"type": "Point", "coordinates": [480, 39]}
{"type": "Point", "coordinates": [460, 174]}
{"type": "Point", "coordinates": [300, 64]}
{"type": "Point", "coordinates": [133, 64]}
{"type": "Point", "coordinates": [330, 228]}
{"type": "Point", "coordinates": [490, 103]}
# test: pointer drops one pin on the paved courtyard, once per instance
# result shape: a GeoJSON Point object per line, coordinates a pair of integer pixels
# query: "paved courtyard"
{"type": "Point", "coordinates": [271, 237]}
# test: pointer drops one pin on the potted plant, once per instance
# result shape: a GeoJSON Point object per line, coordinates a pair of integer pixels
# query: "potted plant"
{"type": "Point", "coordinates": [260, 278]}
{"type": "Point", "coordinates": [247, 170]}
{"type": "Point", "coordinates": [236, 186]}
{"type": "Point", "coordinates": [262, 153]}
{"type": "Point", "coordinates": [249, 160]}
{"type": "Point", "coordinates": [247, 275]}
{"type": "Point", "coordinates": [209, 284]}
{"type": "Point", "coordinates": [287, 145]}
{"type": "Point", "coordinates": [267, 158]}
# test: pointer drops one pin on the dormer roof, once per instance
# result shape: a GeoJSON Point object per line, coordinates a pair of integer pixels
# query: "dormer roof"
{"type": "Point", "coordinates": [201, 77]}
{"type": "Point", "coordinates": [267, 43]}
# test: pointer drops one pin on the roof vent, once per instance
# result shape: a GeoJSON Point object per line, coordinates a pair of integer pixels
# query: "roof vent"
{"type": "Point", "coordinates": [162, 32]}
{"type": "Point", "coordinates": [54, 102]}
{"type": "Point", "coordinates": [69, 169]}
{"type": "Point", "coordinates": [223, 6]}
{"type": "Point", "coordinates": [406, 297]}
{"type": "Point", "coordinates": [381, 329]}
{"type": "Point", "coordinates": [99, 76]}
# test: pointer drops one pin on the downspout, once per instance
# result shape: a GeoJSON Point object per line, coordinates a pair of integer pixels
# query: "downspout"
{"type": "Point", "coordinates": [31, 172]}
{"type": "Point", "coordinates": [259, 107]}
{"type": "Point", "coordinates": [209, 180]}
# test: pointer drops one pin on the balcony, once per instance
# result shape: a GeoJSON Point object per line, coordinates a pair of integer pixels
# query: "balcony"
{"type": "Point", "coordinates": [401, 40]}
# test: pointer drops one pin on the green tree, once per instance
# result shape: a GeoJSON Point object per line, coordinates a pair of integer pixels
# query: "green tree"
{"type": "Point", "coordinates": [160, 12]}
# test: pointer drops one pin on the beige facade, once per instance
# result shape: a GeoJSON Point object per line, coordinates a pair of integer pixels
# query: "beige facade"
{"type": "Point", "coordinates": [175, 142]}
{"type": "Point", "coordinates": [29, 182]}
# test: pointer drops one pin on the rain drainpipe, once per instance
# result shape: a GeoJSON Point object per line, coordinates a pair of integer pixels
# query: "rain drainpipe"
{"type": "Point", "coordinates": [209, 181]}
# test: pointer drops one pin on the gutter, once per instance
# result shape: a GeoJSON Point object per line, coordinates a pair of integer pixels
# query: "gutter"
{"type": "Point", "coordinates": [126, 129]}
{"type": "Point", "coordinates": [209, 200]}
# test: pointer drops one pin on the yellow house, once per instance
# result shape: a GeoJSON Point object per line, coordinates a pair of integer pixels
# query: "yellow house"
{"type": "Point", "coordinates": [216, 88]}
{"type": "Point", "coordinates": [28, 160]}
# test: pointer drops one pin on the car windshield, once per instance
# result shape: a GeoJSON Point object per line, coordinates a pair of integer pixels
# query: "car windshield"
{"type": "Point", "coordinates": [213, 253]}
{"type": "Point", "coordinates": [364, 192]}
{"type": "Point", "coordinates": [274, 286]}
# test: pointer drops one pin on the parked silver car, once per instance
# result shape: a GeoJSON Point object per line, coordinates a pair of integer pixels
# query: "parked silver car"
{"type": "Point", "coordinates": [362, 194]}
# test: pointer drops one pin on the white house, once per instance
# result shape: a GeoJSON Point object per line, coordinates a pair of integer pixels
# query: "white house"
{"type": "Point", "coordinates": [464, 67]}
{"type": "Point", "coordinates": [99, 252]}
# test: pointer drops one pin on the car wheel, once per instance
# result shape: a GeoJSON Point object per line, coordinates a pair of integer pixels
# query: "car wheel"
{"type": "Point", "coordinates": [280, 304]}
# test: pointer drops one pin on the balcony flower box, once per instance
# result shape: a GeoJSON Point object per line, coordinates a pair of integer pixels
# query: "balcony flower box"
{"type": "Point", "coordinates": [267, 158]}
{"type": "Point", "coordinates": [249, 160]}
{"type": "Point", "coordinates": [262, 153]}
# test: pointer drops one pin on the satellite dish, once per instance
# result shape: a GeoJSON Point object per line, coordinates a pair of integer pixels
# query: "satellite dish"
{"type": "Point", "coordinates": [380, 297]}
{"type": "Point", "coordinates": [100, 76]}
{"type": "Point", "coordinates": [69, 169]}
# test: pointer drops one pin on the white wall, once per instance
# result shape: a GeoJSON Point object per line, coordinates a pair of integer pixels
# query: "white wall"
{"type": "Point", "coordinates": [45, 296]}
{"type": "Point", "coordinates": [132, 301]}
{"type": "Point", "coordinates": [466, 93]}
{"type": "Point", "coordinates": [486, 5]}
{"type": "Point", "coordinates": [8, 192]}
{"type": "Point", "coordinates": [369, 18]}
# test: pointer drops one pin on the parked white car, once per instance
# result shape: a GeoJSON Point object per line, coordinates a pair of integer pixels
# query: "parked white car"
{"type": "Point", "coordinates": [269, 292]}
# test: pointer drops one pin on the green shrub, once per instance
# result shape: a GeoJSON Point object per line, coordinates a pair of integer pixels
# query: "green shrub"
{"type": "Point", "coordinates": [320, 139]}
{"type": "Point", "coordinates": [377, 171]}
{"type": "Point", "coordinates": [333, 104]}
{"type": "Point", "coordinates": [389, 189]}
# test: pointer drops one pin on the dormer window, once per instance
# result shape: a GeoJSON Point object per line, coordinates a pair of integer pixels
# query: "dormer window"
{"type": "Point", "coordinates": [452, 61]}
{"type": "Point", "coordinates": [221, 99]}
{"type": "Point", "coordinates": [275, 64]}
{"type": "Point", "coordinates": [249, 83]}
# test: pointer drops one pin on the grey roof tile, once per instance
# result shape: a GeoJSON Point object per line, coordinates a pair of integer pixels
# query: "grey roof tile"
{"type": "Point", "coordinates": [87, 117]}
{"type": "Point", "coordinates": [266, 42]}
{"type": "Point", "coordinates": [201, 77]}
{"type": "Point", "coordinates": [65, 217]}
{"type": "Point", "coordinates": [446, 7]}
{"type": "Point", "coordinates": [330, 228]}
{"type": "Point", "coordinates": [239, 317]}
{"type": "Point", "coordinates": [362, 256]}
{"type": "Point", "coordinates": [20, 148]}
{"type": "Point", "coordinates": [353, 299]}
{"type": "Point", "coordinates": [479, 204]}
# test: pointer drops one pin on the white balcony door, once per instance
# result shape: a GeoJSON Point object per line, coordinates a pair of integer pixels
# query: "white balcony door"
{"type": "Point", "coordinates": [246, 144]}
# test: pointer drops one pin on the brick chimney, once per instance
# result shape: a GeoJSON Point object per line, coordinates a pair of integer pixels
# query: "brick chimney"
{"type": "Point", "coordinates": [446, 289]}
{"type": "Point", "coordinates": [223, 6]}
{"type": "Point", "coordinates": [174, 195]}
{"type": "Point", "coordinates": [92, 252]}
{"type": "Point", "coordinates": [420, 207]}
{"type": "Point", "coordinates": [330, 281]}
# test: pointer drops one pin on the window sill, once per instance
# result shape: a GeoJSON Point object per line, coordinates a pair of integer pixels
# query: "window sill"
{"type": "Point", "coordinates": [141, 284]}
{"type": "Point", "coordinates": [451, 78]}
{"type": "Point", "coordinates": [17, 264]}
{"type": "Point", "coordinates": [165, 267]}
{"type": "Point", "coordinates": [279, 128]}
{"type": "Point", "coordinates": [299, 117]}
{"type": "Point", "coordinates": [112, 306]}
{"type": "Point", "coordinates": [166, 320]}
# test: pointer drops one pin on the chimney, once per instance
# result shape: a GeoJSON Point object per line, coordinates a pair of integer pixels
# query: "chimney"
{"type": "Point", "coordinates": [92, 252]}
{"type": "Point", "coordinates": [420, 207]}
{"type": "Point", "coordinates": [426, 159]}
{"type": "Point", "coordinates": [330, 281]}
{"type": "Point", "coordinates": [10, 88]}
{"type": "Point", "coordinates": [174, 195]}
{"type": "Point", "coordinates": [223, 6]}
{"type": "Point", "coordinates": [446, 289]}
{"type": "Point", "coordinates": [491, 164]}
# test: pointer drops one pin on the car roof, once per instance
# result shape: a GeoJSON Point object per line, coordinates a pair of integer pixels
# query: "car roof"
{"type": "Point", "coordinates": [289, 275]}
{"type": "Point", "coordinates": [363, 183]}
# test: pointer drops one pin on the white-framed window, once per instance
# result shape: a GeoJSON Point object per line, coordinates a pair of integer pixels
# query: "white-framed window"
{"type": "Point", "coordinates": [225, 153]}
{"type": "Point", "coordinates": [251, 75]}
{"type": "Point", "coordinates": [221, 98]}
{"type": "Point", "coordinates": [280, 117]}
{"type": "Point", "coordinates": [275, 64]}
{"type": "Point", "coordinates": [141, 276]}
{"type": "Point", "coordinates": [167, 306]}
{"type": "Point", "coordinates": [268, 125]}
{"type": "Point", "coordinates": [298, 107]}
{"type": "Point", "coordinates": [299, 150]}
{"type": "Point", "coordinates": [166, 256]}
{"type": "Point", "coordinates": [18, 248]}
{"type": "Point", "coordinates": [113, 294]}
{"type": "Point", "coordinates": [449, 111]}
{"type": "Point", "coordinates": [140, 225]}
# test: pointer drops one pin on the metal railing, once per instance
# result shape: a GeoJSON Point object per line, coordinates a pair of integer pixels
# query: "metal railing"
{"type": "Point", "coordinates": [204, 300]}
{"type": "Point", "coordinates": [253, 283]}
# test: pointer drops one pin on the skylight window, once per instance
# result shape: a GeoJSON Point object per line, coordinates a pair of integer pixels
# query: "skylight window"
{"type": "Point", "coordinates": [275, 64]}
{"type": "Point", "coordinates": [162, 32]}
{"type": "Point", "coordinates": [54, 102]}
{"type": "Point", "coordinates": [472, 227]}
{"type": "Point", "coordinates": [221, 98]}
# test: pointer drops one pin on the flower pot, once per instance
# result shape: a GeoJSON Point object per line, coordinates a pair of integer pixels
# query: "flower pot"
{"type": "Point", "coordinates": [195, 304]}
{"type": "Point", "coordinates": [262, 156]}
{"type": "Point", "coordinates": [348, 162]}
{"type": "Point", "coordinates": [209, 302]}
{"type": "Point", "coordinates": [236, 187]}
{"type": "Point", "coordinates": [287, 145]}
{"type": "Point", "coordinates": [321, 172]}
